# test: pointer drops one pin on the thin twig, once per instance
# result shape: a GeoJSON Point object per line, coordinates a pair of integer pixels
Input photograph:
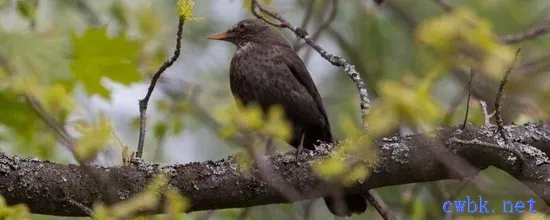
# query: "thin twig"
{"type": "Point", "coordinates": [527, 64]}
{"type": "Point", "coordinates": [51, 122]}
{"type": "Point", "coordinates": [491, 145]}
{"type": "Point", "coordinates": [270, 148]}
{"type": "Point", "coordinates": [376, 201]}
{"type": "Point", "coordinates": [509, 38]}
{"type": "Point", "coordinates": [87, 210]}
{"type": "Point", "coordinates": [468, 99]}
{"type": "Point", "coordinates": [498, 100]}
{"type": "Point", "coordinates": [305, 21]}
{"type": "Point", "coordinates": [334, 60]}
{"type": "Point", "coordinates": [445, 5]}
{"type": "Point", "coordinates": [534, 67]}
{"type": "Point", "coordinates": [527, 35]}
{"type": "Point", "coordinates": [324, 25]}
{"type": "Point", "coordinates": [145, 101]}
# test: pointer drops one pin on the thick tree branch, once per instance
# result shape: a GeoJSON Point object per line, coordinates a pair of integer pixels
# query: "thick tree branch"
{"type": "Point", "coordinates": [54, 189]}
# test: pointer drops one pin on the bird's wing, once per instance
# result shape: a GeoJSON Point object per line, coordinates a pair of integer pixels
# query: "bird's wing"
{"type": "Point", "coordinates": [299, 70]}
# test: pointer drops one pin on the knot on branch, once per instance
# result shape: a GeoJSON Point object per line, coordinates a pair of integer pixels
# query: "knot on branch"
{"type": "Point", "coordinates": [142, 104]}
{"type": "Point", "coordinates": [302, 33]}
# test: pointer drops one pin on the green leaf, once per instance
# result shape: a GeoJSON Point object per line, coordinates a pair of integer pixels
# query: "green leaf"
{"type": "Point", "coordinates": [18, 114]}
{"type": "Point", "coordinates": [185, 10]}
{"type": "Point", "coordinates": [177, 126]}
{"type": "Point", "coordinates": [96, 55]}
{"type": "Point", "coordinates": [94, 138]}
{"type": "Point", "coordinates": [160, 130]}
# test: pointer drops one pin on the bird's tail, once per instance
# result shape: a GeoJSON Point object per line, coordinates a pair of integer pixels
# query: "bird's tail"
{"type": "Point", "coordinates": [312, 137]}
{"type": "Point", "coordinates": [349, 204]}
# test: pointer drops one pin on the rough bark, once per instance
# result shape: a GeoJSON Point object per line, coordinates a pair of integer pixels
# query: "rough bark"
{"type": "Point", "coordinates": [51, 188]}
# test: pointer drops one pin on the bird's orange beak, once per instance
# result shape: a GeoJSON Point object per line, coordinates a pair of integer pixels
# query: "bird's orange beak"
{"type": "Point", "coordinates": [218, 36]}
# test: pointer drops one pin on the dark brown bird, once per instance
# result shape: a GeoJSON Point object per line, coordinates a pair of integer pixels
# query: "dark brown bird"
{"type": "Point", "coordinates": [266, 71]}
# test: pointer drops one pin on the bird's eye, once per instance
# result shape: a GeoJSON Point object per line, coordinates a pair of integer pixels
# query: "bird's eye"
{"type": "Point", "coordinates": [242, 25]}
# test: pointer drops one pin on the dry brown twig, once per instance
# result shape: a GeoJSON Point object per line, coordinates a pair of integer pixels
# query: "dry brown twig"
{"type": "Point", "coordinates": [468, 99]}
{"type": "Point", "coordinates": [527, 35]}
{"type": "Point", "coordinates": [508, 145]}
{"type": "Point", "coordinates": [145, 101]}
{"type": "Point", "coordinates": [324, 26]}
{"type": "Point", "coordinates": [445, 5]}
{"type": "Point", "coordinates": [87, 210]}
{"type": "Point", "coordinates": [498, 107]}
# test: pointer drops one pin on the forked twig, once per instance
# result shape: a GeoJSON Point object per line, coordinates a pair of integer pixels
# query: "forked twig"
{"type": "Point", "coordinates": [486, 115]}
{"type": "Point", "coordinates": [498, 100]}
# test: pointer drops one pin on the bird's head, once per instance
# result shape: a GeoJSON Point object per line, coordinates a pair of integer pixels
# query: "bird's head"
{"type": "Point", "coordinates": [249, 30]}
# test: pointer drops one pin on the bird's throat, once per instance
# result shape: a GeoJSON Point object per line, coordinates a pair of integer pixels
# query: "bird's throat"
{"type": "Point", "coordinates": [245, 47]}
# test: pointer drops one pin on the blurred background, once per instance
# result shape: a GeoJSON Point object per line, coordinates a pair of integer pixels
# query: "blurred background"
{"type": "Point", "coordinates": [80, 64]}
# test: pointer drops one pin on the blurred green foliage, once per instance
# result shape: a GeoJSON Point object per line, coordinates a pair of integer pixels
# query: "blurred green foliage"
{"type": "Point", "coordinates": [16, 212]}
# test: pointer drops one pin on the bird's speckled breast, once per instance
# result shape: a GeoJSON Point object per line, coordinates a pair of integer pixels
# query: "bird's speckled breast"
{"type": "Point", "coordinates": [257, 74]}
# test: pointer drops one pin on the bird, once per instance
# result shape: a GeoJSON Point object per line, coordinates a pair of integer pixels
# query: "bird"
{"type": "Point", "coordinates": [266, 71]}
